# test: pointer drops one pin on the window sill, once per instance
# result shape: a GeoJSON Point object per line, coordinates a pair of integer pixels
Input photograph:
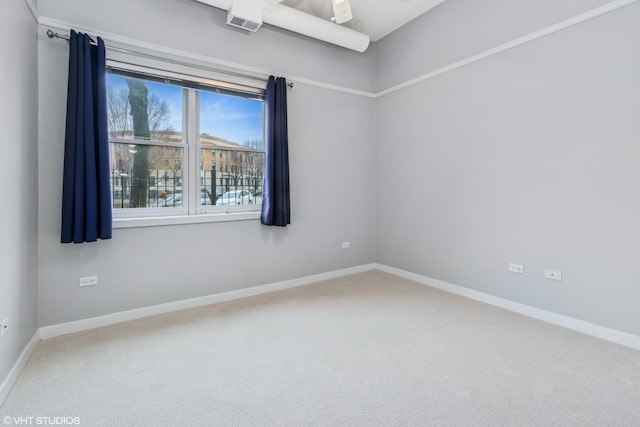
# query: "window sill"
{"type": "Point", "coordinates": [184, 219]}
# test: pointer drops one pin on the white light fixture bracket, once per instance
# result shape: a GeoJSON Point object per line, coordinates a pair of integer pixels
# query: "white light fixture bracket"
{"type": "Point", "coordinates": [341, 11]}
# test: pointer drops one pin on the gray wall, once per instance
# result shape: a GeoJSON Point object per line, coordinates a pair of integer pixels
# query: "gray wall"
{"type": "Point", "coordinates": [332, 172]}
{"type": "Point", "coordinates": [529, 156]}
{"type": "Point", "coordinates": [18, 163]}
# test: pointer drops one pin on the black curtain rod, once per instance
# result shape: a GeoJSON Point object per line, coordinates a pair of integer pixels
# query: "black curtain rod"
{"type": "Point", "coordinates": [51, 34]}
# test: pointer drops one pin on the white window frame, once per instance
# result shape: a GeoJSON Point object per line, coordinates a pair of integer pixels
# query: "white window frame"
{"type": "Point", "coordinates": [192, 211]}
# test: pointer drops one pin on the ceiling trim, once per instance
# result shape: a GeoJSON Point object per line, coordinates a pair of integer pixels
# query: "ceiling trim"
{"type": "Point", "coordinates": [169, 54]}
{"type": "Point", "coordinates": [578, 19]}
{"type": "Point", "coordinates": [232, 66]}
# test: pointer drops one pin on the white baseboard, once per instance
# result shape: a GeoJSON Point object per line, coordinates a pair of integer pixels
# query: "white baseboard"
{"type": "Point", "coordinates": [618, 337]}
{"type": "Point", "coordinates": [123, 316]}
{"type": "Point", "coordinates": [607, 334]}
{"type": "Point", "coordinates": [11, 379]}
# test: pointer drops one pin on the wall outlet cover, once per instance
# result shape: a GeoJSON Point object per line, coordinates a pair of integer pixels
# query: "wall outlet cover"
{"type": "Point", "coordinates": [4, 326]}
{"type": "Point", "coordinates": [88, 281]}
{"type": "Point", "coordinates": [516, 268]}
{"type": "Point", "coordinates": [553, 275]}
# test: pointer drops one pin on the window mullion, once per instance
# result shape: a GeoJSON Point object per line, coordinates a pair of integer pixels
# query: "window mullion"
{"type": "Point", "coordinates": [193, 161]}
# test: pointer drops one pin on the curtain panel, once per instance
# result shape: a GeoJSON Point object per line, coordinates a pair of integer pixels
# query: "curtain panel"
{"type": "Point", "coordinates": [86, 193]}
{"type": "Point", "coordinates": [276, 210]}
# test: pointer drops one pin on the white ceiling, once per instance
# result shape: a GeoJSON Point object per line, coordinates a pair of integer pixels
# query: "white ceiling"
{"type": "Point", "coordinates": [376, 18]}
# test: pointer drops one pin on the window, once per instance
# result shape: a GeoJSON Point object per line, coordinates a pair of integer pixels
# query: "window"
{"type": "Point", "coordinates": [164, 132]}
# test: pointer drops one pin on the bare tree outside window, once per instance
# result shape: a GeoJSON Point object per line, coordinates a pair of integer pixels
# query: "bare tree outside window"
{"type": "Point", "coordinates": [139, 114]}
{"type": "Point", "coordinates": [139, 102]}
{"type": "Point", "coordinates": [120, 115]}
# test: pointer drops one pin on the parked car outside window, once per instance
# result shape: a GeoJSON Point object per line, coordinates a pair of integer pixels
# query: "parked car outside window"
{"type": "Point", "coordinates": [176, 199]}
{"type": "Point", "coordinates": [235, 197]}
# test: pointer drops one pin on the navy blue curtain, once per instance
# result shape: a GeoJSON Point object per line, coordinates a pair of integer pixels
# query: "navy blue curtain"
{"type": "Point", "coordinates": [276, 208]}
{"type": "Point", "coordinates": [86, 196]}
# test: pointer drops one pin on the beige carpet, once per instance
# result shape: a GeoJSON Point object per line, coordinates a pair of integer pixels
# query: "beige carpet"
{"type": "Point", "coordinates": [364, 350]}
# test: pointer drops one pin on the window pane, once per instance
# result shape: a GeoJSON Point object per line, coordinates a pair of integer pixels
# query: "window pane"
{"type": "Point", "coordinates": [155, 185]}
{"type": "Point", "coordinates": [233, 119]}
{"type": "Point", "coordinates": [139, 109]}
{"type": "Point", "coordinates": [223, 177]}
{"type": "Point", "coordinates": [232, 147]}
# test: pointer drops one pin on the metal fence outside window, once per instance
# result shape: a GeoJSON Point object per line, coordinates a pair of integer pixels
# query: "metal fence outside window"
{"type": "Point", "coordinates": [234, 169]}
{"type": "Point", "coordinates": [165, 187]}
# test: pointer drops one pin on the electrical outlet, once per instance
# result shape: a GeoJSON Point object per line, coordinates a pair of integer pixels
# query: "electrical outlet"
{"type": "Point", "coordinates": [553, 275]}
{"type": "Point", "coordinates": [88, 281]}
{"type": "Point", "coordinates": [4, 326]}
{"type": "Point", "coordinates": [346, 245]}
{"type": "Point", "coordinates": [516, 268]}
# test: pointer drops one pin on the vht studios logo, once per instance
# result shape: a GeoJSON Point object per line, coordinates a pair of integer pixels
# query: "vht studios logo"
{"type": "Point", "coordinates": [41, 421]}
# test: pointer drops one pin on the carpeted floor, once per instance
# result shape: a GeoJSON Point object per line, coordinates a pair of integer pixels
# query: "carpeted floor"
{"type": "Point", "coordinates": [364, 350]}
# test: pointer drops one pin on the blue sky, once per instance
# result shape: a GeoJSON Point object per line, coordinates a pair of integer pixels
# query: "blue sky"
{"type": "Point", "coordinates": [232, 118]}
